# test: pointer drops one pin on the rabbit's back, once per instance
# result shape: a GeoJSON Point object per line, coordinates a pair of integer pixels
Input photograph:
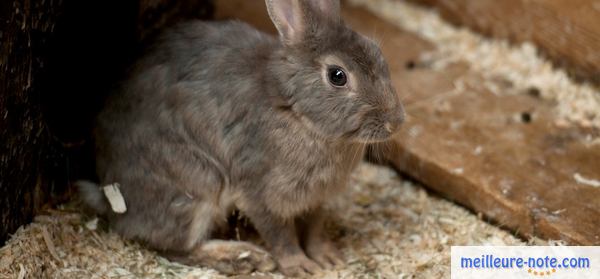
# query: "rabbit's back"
{"type": "Point", "coordinates": [197, 50]}
{"type": "Point", "coordinates": [197, 79]}
{"type": "Point", "coordinates": [175, 114]}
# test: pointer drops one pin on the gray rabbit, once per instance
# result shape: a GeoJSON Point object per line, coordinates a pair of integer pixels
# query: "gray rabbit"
{"type": "Point", "coordinates": [220, 117]}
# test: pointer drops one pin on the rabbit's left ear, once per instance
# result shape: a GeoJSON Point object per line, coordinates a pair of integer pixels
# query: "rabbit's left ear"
{"type": "Point", "coordinates": [289, 19]}
{"type": "Point", "coordinates": [327, 8]}
{"type": "Point", "coordinates": [294, 18]}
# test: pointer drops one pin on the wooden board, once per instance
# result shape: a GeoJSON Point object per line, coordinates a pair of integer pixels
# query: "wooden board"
{"type": "Point", "coordinates": [496, 154]}
{"type": "Point", "coordinates": [500, 155]}
{"type": "Point", "coordinates": [568, 31]}
{"type": "Point", "coordinates": [478, 149]}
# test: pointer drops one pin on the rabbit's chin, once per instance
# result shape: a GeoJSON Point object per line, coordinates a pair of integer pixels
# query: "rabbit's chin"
{"type": "Point", "coordinates": [367, 137]}
{"type": "Point", "coordinates": [371, 140]}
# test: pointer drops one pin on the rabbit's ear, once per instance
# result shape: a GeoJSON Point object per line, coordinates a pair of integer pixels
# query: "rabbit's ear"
{"type": "Point", "coordinates": [289, 19]}
{"type": "Point", "coordinates": [293, 18]}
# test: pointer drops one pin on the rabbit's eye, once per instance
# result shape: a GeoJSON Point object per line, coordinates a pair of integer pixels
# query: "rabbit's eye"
{"type": "Point", "coordinates": [337, 76]}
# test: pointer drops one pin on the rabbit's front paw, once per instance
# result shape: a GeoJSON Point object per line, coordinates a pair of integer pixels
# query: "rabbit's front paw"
{"type": "Point", "coordinates": [298, 265]}
{"type": "Point", "coordinates": [325, 253]}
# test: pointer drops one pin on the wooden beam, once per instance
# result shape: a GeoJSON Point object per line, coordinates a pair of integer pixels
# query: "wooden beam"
{"type": "Point", "coordinates": [567, 31]}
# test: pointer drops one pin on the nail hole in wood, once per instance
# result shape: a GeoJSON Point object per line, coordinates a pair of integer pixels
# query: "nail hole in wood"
{"type": "Point", "coordinates": [526, 117]}
{"type": "Point", "coordinates": [534, 92]}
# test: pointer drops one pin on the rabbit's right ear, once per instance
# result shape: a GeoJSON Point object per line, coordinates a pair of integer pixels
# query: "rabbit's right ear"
{"type": "Point", "coordinates": [289, 19]}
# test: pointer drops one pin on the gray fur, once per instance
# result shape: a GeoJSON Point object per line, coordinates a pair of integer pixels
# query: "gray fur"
{"type": "Point", "coordinates": [220, 116]}
{"type": "Point", "coordinates": [92, 196]}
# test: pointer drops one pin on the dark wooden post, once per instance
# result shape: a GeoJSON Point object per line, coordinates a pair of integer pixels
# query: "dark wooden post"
{"type": "Point", "coordinates": [58, 59]}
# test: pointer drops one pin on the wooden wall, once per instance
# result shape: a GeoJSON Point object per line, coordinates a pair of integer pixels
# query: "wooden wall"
{"type": "Point", "coordinates": [57, 61]}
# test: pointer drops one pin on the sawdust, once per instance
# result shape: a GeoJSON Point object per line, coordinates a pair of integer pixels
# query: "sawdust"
{"type": "Point", "coordinates": [520, 65]}
{"type": "Point", "coordinates": [586, 181]}
{"type": "Point", "coordinates": [386, 227]}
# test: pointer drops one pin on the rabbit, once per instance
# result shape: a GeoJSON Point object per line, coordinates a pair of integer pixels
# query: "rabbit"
{"type": "Point", "coordinates": [218, 117]}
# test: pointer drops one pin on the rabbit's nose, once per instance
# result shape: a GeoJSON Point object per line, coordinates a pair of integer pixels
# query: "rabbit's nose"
{"type": "Point", "coordinates": [394, 120]}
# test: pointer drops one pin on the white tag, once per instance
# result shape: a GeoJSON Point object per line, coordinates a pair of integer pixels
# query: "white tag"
{"type": "Point", "coordinates": [112, 193]}
{"type": "Point", "coordinates": [244, 255]}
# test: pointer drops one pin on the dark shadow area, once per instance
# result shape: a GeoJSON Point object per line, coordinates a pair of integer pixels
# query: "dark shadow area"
{"type": "Point", "coordinates": [58, 62]}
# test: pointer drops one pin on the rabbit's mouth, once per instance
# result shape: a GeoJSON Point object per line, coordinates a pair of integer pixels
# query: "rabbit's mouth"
{"type": "Point", "coordinates": [373, 132]}
{"type": "Point", "coordinates": [378, 126]}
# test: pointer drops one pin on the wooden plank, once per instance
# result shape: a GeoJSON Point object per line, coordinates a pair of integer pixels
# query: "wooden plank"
{"type": "Point", "coordinates": [500, 155]}
{"type": "Point", "coordinates": [521, 175]}
{"type": "Point", "coordinates": [496, 154]}
{"type": "Point", "coordinates": [568, 31]}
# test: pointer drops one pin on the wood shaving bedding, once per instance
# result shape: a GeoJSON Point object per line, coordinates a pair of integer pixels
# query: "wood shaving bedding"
{"type": "Point", "coordinates": [586, 181]}
{"type": "Point", "coordinates": [387, 227]}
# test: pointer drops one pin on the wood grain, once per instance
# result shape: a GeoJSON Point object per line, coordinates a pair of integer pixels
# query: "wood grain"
{"type": "Point", "coordinates": [567, 31]}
